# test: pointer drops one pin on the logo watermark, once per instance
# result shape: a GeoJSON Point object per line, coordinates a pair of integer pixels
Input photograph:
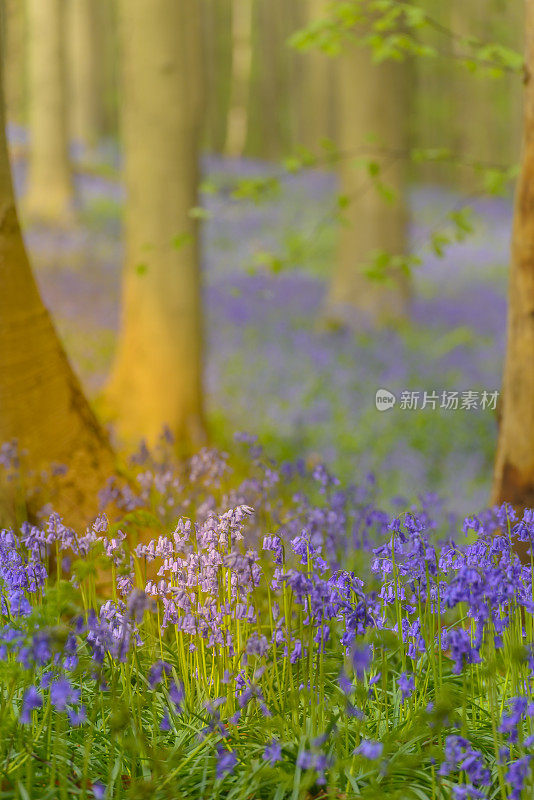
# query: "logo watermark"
{"type": "Point", "coordinates": [469, 400]}
{"type": "Point", "coordinates": [384, 399]}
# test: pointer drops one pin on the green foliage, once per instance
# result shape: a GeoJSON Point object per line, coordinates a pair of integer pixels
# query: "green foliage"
{"type": "Point", "coordinates": [393, 31]}
{"type": "Point", "coordinates": [257, 189]}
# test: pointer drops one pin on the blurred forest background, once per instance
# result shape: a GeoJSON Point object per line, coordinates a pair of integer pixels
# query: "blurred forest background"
{"type": "Point", "coordinates": [347, 230]}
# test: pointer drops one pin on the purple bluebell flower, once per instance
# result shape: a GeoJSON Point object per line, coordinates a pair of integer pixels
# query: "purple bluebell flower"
{"type": "Point", "coordinates": [177, 696]}
{"type": "Point", "coordinates": [466, 791]}
{"type": "Point", "coordinates": [226, 761]}
{"type": "Point", "coordinates": [369, 749]}
{"type": "Point", "coordinates": [62, 693]}
{"type": "Point", "coordinates": [406, 685]}
{"type": "Point", "coordinates": [361, 657]}
{"type": "Point", "coordinates": [30, 701]}
{"type": "Point", "coordinates": [517, 775]}
{"type": "Point", "coordinates": [77, 716]}
{"type": "Point", "coordinates": [272, 752]}
{"type": "Point", "coordinates": [165, 724]}
{"type": "Point", "coordinates": [512, 718]}
{"type": "Point", "coordinates": [156, 672]}
{"type": "Point", "coordinates": [99, 790]}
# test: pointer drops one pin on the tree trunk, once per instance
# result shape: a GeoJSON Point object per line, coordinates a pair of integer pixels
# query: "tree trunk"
{"type": "Point", "coordinates": [15, 60]}
{"type": "Point", "coordinates": [218, 67]}
{"type": "Point", "coordinates": [236, 134]}
{"type": "Point", "coordinates": [317, 95]}
{"type": "Point", "coordinates": [50, 187]}
{"type": "Point", "coordinates": [372, 128]}
{"type": "Point", "coordinates": [271, 134]}
{"type": "Point", "coordinates": [514, 466]}
{"type": "Point", "coordinates": [85, 84]}
{"type": "Point", "coordinates": [41, 403]}
{"type": "Point", "coordinates": [157, 376]}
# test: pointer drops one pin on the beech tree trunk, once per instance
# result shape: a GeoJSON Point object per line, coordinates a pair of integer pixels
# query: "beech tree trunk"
{"type": "Point", "coordinates": [372, 128]}
{"type": "Point", "coordinates": [41, 403]}
{"type": "Point", "coordinates": [157, 375]}
{"type": "Point", "coordinates": [514, 465]}
{"type": "Point", "coordinates": [85, 84]}
{"type": "Point", "coordinates": [236, 134]}
{"type": "Point", "coordinates": [50, 188]}
{"type": "Point", "coordinates": [15, 60]}
{"type": "Point", "coordinates": [317, 94]}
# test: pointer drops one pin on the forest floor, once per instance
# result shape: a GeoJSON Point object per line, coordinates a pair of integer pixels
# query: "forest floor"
{"type": "Point", "coordinates": [272, 368]}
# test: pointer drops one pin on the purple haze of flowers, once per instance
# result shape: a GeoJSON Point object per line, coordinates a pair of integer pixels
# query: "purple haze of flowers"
{"type": "Point", "coordinates": [272, 752]}
{"type": "Point", "coordinates": [369, 749]}
{"type": "Point", "coordinates": [31, 700]}
{"type": "Point", "coordinates": [226, 761]}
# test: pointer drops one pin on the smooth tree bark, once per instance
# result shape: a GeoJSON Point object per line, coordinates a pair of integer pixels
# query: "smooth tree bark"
{"type": "Point", "coordinates": [50, 193]}
{"type": "Point", "coordinates": [217, 21]}
{"type": "Point", "coordinates": [317, 92]}
{"type": "Point", "coordinates": [84, 73]}
{"type": "Point", "coordinates": [238, 110]}
{"type": "Point", "coordinates": [373, 129]}
{"type": "Point", "coordinates": [514, 465]}
{"type": "Point", "coordinates": [15, 60]}
{"type": "Point", "coordinates": [157, 374]}
{"type": "Point", "coordinates": [42, 406]}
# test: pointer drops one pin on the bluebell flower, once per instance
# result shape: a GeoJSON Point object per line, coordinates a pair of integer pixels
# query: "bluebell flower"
{"type": "Point", "coordinates": [226, 761]}
{"type": "Point", "coordinates": [165, 724]}
{"type": "Point", "coordinates": [466, 791]}
{"type": "Point", "coordinates": [517, 775]}
{"type": "Point", "coordinates": [30, 701]}
{"type": "Point", "coordinates": [369, 749]}
{"type": "Point", "coordinates": [512, 718]}
{"type": "Point", "coordinates": [156, 672]}
{"type": "Point", "coordinates": [361, 657]}
{"type": "Point", "coordinates": [177, 696]}
{"type": "Point", "coordinates": [272, 752]}
{"type": "Point", "coordinates": [77, 717]}
{"type": "Point", "coordinates": [99, 790]}
{"type": "Point", "coordinates": [62, 693]}
{"type": "Point", "coordinates": [406, 685]}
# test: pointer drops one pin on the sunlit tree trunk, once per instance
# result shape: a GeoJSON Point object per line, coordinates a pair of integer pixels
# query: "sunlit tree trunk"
{"type": "Point", "coordinates": [317, 95]}
{"type": "Point", "coordinates": [236, 134]}
{"type": "Point", "coordinates": [372, 128]}
{"type": "Point", "coordinates": [514, 466]}
{"type": "Point", "coordinates": [85, 84]}
{"type": "Point", "coordinates": [50, 187]}
{"type": "Point", "coordinates": [157, 377]}
{"type": "Point", "coordinates": [41, 403]}
{"type": "Point", "coordinates": [15, 60]}
{"type": "Point", "coordinates": [218, 68]}
{"type": "Point", "coordinates": [270, 135]}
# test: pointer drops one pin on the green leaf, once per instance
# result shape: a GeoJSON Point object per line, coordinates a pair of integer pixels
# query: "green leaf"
{"type": "Point", "coordinates": [141, 269]}
{"type": "Point", "coordinates": [181, 239]}
{"type": "Point", "coordinates": [197, 212]}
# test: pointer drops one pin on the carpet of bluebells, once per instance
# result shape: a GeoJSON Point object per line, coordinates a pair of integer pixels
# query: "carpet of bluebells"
{"type": "Point", "coordinates": [272, 366]}
{"type": "Point", "coordinates": [233, 627]}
